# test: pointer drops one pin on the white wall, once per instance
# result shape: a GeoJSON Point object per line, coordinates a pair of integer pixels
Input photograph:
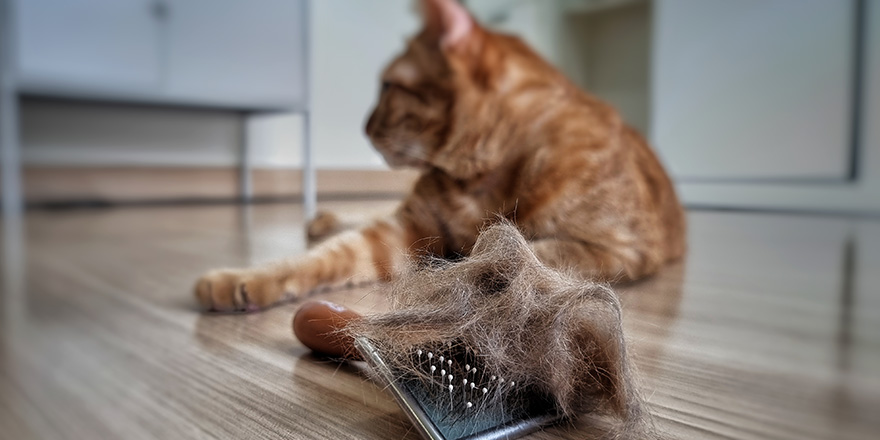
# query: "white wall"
{"type": "Point", "coordinates": [538, 23]}
{"type": "Point", "coordinates": [352, 42]}
{"type": "Point", "coordinates": [607, 52]}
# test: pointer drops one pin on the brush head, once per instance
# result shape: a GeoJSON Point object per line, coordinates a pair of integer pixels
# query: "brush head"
{"type": "Point", "coordinates": [461, 402]}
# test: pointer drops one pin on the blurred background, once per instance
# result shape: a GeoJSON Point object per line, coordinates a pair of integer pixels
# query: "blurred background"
{"type": "Point", "coordinates": [751, 104]}
{"type": "Point", "coordinates": [120, 120]}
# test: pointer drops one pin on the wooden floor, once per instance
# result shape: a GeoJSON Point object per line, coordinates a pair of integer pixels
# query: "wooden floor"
{"type": "Point", "coordinates": [770, 330]}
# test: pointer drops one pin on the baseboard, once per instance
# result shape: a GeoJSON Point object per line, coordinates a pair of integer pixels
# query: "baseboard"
{"type": "Point", "coordinates": [44, 185]}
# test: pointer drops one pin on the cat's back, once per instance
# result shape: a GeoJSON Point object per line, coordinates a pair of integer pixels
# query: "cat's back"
{"type": "Point", "coordinates": [656, 191]}
{"type": "Point", "coordinates": [592, 171]}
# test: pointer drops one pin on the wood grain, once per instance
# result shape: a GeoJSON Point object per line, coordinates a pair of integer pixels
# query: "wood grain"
{"type": "Point", "coordinates": [770, 330]}
{"type": "Point", "coordinates": [45, 184]}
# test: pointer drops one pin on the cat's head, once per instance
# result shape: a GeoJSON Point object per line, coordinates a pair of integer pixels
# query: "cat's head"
{"type": "Point", "coordinates": [447, 92]}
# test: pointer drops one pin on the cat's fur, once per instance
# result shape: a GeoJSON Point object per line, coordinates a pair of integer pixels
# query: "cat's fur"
{"type": "Point", "coordinates": [496, 130]}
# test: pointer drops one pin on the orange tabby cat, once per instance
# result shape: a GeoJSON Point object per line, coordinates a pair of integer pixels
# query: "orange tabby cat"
{"type": "Point", "coordinates": [495, 130]}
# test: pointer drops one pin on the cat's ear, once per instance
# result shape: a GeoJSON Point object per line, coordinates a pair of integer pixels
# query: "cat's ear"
{"type": "Point", "coordinates": [449, 20]}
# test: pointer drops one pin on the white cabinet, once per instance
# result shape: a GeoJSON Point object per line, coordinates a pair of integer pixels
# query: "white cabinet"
{"type": "Point", "coordinates": [223, 53]}
{"type": "Point", "coordinates": [754, 89]}
{"type": "Point", "coordinates": [246, 56]}
{"type": "Point", "coordinates": [88, 43]}
{"type": "Point", "coordinates": [236, 50]}
{"type": "Point", "coordinates": [870, 134]}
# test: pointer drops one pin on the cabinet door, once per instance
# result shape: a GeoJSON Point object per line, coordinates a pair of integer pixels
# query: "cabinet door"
{"type": "Point", "coordinates": [754, 89]}
{"type": "Point", "coordinates": [237, 52]}
{"type": "Point", "coordinates": [92, 44]}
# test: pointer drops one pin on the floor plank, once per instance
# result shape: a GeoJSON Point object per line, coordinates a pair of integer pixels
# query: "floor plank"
{"type": "Point", "coordinates": [769, 330]}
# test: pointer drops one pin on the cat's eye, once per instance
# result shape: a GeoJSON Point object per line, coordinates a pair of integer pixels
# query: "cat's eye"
{"type": "Point", "coordinates": [388, 86]}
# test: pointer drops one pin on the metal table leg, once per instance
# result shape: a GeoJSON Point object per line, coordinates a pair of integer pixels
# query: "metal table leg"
{"type": "Point", "coordinates": [309, 185]}
{"type": "Point", "coordinates": [244, 170]}
{"type": "Point", "coordinates": [10, 161]}
{"type": "Point", "coordinates": [12, 290]}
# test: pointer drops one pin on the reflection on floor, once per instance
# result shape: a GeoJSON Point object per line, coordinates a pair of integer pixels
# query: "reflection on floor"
{"type": "Point", "coordinates": [770, 329]}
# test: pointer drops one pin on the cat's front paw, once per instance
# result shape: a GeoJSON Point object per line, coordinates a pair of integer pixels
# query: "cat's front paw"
{"type": "Point", "coordinates": [322, 226]}
{"type": "Point", "coordinates": [230, 290]}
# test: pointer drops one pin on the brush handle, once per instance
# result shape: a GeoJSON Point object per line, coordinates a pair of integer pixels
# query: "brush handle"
{"type": "Point", "coordinates": [320, 325]}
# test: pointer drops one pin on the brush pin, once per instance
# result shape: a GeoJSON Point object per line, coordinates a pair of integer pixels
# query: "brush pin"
{"type": "Point", "coordinates": [479, 390]}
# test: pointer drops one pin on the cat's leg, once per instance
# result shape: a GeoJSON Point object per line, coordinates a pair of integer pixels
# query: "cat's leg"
{"type": "Point", "coordinates": [352, 257]}
{"type": "Point", "coordinates": [611, 263]}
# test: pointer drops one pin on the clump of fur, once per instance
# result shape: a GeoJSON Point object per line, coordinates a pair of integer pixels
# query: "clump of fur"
{"type": "Point", "coordinates": [530, 324]}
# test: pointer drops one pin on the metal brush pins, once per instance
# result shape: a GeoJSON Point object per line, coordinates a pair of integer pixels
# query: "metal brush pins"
{"type": "Point", "coordinates": [453, 398]}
